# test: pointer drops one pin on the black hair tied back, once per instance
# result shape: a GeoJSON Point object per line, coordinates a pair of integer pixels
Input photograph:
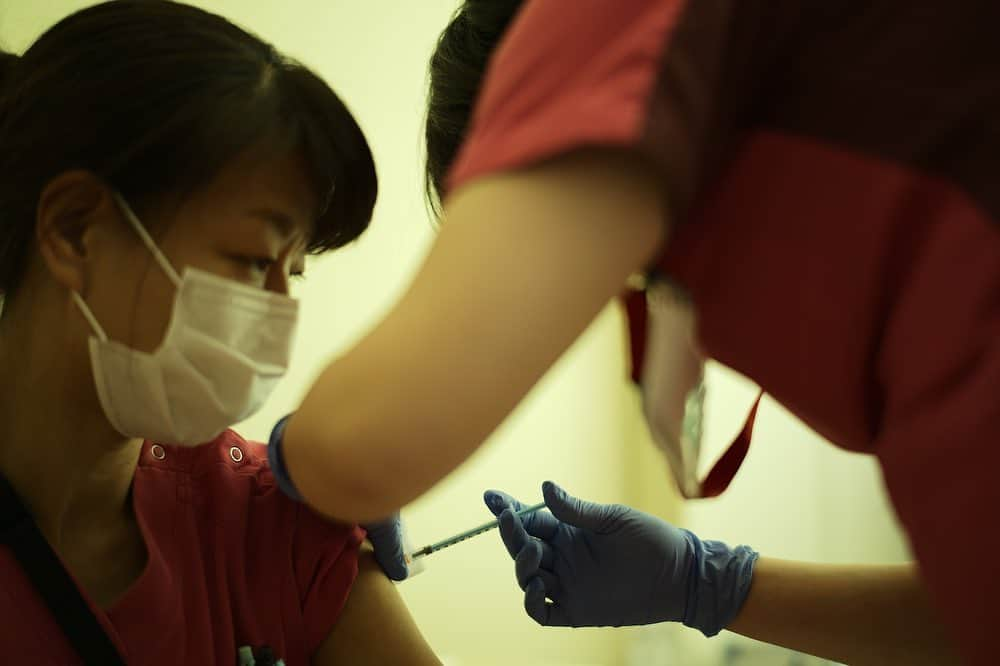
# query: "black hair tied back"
{"type": "Point", "coordinates": [7, 63]}
{"type": "Point", "coordinates": [457, 69]}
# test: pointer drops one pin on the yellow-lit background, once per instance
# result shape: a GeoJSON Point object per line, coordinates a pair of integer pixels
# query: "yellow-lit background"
{"type": "Point", "coordinates": [796, 497]}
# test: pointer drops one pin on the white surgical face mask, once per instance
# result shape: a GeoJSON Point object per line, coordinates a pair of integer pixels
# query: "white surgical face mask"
{"type": "Point", "coordinates": [226, 346]}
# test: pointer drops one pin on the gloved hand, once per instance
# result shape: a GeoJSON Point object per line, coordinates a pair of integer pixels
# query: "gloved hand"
{"type": "Point", "coordinates": [386, 537]}
{"type": "Point", "coordinates": [609, 565]}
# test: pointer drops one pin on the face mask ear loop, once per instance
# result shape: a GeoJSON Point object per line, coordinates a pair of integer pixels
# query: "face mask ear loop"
{"type": "Point", "coordinates": [148, 241]}
{"type": "Point", "coordinates": [89, 316]}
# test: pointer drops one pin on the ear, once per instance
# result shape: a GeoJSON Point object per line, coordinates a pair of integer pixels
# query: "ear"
{"type": "Point", "coordinates": [66, 224]}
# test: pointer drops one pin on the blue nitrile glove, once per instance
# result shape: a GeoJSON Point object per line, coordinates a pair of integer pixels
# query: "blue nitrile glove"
{"type": "Point", "coordinates": [609, 565]}
{"type": "Point", "coordinates": [387, 539]}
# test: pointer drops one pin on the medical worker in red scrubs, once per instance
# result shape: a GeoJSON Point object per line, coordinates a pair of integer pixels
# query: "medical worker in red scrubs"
{"type": "Point", "coordinates": [811, 192]}
{"type": "Point", "coordinates": [162, 174]}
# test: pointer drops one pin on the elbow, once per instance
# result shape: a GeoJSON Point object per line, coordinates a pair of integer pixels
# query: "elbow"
{"type": "Point", "coordinates": [339, 475]}
{"type": "Point", "coordinates": [354, 498]}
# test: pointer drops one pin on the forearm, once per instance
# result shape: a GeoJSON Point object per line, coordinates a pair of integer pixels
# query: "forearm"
{"type": "Point", "coordinates": [366, 441]}
{"type": "Point", "coordinates": [856, 614]}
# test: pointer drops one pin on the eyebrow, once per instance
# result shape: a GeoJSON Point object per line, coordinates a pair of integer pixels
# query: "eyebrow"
{"type": "Point", "coordinates": [281, 222]}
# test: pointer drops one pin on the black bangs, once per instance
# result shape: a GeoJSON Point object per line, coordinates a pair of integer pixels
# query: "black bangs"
{"type": "Point", "coordinates": [336, 153]}
{"type": "Point", "coordinates": [157, 98]}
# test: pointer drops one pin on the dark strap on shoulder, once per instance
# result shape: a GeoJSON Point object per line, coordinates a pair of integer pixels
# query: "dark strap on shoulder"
{"type": "Point", "coordinates": [53, 583]}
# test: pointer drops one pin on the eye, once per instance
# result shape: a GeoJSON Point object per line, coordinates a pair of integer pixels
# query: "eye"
{"type": "Point", "coordinates": [259, 264]}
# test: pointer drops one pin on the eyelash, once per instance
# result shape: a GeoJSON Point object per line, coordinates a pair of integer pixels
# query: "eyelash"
{"type": "Point", "coordinates": [262, 264]}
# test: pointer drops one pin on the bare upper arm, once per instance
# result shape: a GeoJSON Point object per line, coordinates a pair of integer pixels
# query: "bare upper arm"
{"type": "Point", "coordinates": [375, 626]}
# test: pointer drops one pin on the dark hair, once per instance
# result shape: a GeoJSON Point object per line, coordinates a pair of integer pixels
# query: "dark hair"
{"type": "Point", "coordinates": [7, 62]}
{"type": "Point", "coordinates": [456, 71]}
{"type": "Point", "coordinates": [156, 97]}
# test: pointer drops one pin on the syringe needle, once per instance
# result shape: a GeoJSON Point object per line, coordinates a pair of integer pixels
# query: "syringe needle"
{"type": "Point", "coordinates": [468, 534]}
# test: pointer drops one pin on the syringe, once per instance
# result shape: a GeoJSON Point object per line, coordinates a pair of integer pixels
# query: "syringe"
{"type": "Point", "coordinates": [475, 531]}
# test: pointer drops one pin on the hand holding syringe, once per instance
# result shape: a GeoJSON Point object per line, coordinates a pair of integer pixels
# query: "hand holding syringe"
{"type": "Point", "coordinates": [468, 534]}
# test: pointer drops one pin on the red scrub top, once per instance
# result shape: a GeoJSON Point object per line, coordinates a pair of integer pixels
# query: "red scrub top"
{"type": "Point", "coordinates": [232, 562]}
{"type": "Point", "coordinates": [831, 170]}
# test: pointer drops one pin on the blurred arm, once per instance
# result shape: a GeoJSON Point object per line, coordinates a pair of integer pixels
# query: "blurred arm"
{"type": "Point", "coordinates": [855, 614]}
{"type": "Point", "coordinates": [525, 260]}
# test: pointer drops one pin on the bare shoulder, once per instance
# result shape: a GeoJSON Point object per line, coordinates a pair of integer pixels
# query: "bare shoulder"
{"type": "Point", "coordinates": [375, 626]}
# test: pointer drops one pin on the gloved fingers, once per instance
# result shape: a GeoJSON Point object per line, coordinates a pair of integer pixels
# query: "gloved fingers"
{"type": "Point", "coordinates": [535, 603]}
{"type": "Point", "coordinates": [553, 588]}
{"type": "Point", "coordinates": [527, 562]}
{"type": "Point", "coordinates": [498, 500]}
{"type": "Point", "coordinates": [530, 563]}
{"type": "Point", "coordinates": [386, 537]}
{"type": "Point", "coordinates": [512, 532]}
{"type": "Point", "coordinates": [591, 516]}
{"type": "Point", "coordinates": [541, 524]}
{"type": "Point", "coordinates": [545, 613]}
{"type": "Point", "coordinates": [548, 555]}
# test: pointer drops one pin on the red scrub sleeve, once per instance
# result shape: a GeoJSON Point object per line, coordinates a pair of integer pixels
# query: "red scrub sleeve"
{"type": "Point", "coordinates": [325, 560]}
{"type": "Point", "coordinates": [940, 443]}
{"type": "Point", "coordinates": [567, 75]}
